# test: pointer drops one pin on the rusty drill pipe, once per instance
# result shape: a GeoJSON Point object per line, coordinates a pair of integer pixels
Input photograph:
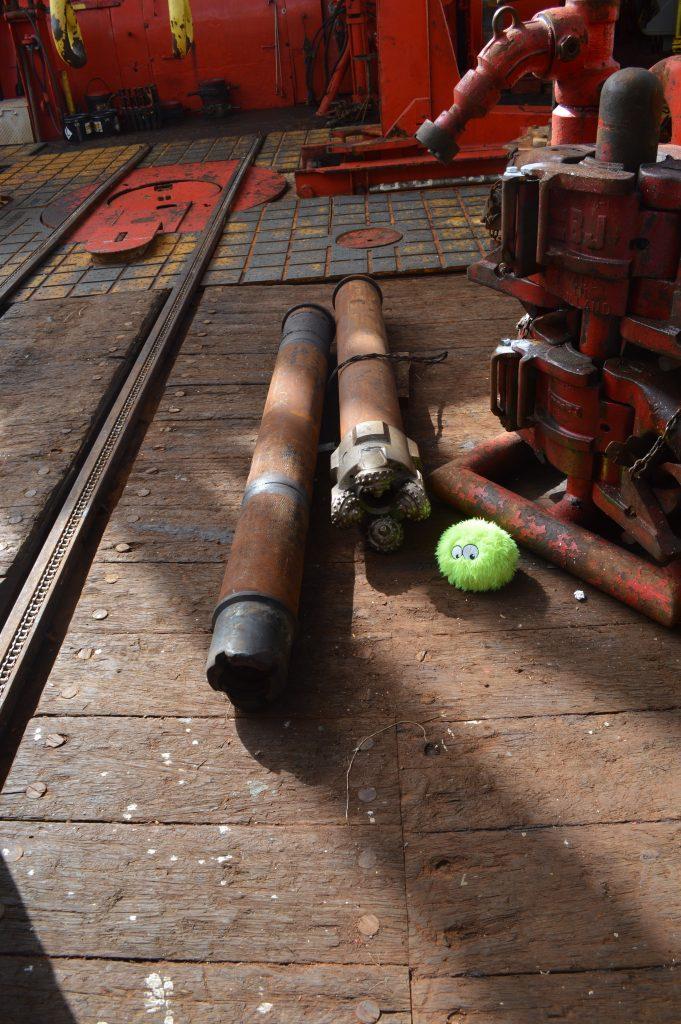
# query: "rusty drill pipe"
{"type": "Point", "coordinates": [255, 618]}
{"type": "Point", "coordinates": [375, 469]}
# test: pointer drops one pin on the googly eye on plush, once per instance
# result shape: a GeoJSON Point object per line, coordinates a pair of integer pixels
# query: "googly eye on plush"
{"type": "Point", "coordinates": [477, 555]}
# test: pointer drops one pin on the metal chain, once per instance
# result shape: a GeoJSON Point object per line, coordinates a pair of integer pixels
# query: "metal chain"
{"type": "Point", "coordinates": [640, 466]}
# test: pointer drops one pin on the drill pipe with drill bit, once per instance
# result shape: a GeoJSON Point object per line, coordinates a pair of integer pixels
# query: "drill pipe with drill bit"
{"type": "Point", "coordinates": [375, 470]}
{"type": "Point", "coordinates": [255, 618]}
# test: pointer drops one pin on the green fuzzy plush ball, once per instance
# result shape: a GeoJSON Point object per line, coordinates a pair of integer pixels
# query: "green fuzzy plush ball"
{"type": "Point", "coordinates": [477, 555]}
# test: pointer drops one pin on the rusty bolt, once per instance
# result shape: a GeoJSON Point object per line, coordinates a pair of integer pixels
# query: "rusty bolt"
{"type": "Point", "coordinates": [569, 47]}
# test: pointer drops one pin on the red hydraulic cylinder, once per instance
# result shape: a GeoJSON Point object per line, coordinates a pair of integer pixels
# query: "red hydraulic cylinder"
{"type": "Point", "coordinates": [331, 93]}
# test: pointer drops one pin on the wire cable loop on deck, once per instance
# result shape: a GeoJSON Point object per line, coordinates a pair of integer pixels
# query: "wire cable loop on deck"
{"type": "Point", "coordinates": [390, 357]}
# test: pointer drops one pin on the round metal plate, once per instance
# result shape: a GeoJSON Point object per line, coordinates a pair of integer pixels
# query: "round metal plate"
{"type": "Point", "coordinates": [368, 238]}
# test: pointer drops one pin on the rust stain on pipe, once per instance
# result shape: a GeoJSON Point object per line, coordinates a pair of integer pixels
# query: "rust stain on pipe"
{"type": "Point", "coordinates": [366, 390]}
{"type": "Point", "coordinates": [254, 622]}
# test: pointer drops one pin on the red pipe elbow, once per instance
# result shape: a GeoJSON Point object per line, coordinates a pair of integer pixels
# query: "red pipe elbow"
{"type": "Point", "coordinates": [570, 45]}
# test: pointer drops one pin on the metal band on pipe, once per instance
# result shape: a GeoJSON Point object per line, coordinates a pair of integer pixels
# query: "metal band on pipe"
{"type": "Point", "coordinates": [276, 483]}
{"type": "Point", "coordinates": [357, 277]}
{"type": "Point", "coordinates": [301, 325]}
{"type": "Point", "coordinates": [311, 306]}
{"type": "Point", "coordinates": [251, 595]}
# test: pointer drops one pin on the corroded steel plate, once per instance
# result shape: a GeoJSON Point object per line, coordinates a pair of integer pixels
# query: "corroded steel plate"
{"type": "Point", "coordinates": [368, 238]}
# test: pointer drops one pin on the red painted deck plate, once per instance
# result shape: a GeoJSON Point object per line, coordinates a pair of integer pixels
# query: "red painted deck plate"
{"type": "Point", "coordinates": [157, 200]}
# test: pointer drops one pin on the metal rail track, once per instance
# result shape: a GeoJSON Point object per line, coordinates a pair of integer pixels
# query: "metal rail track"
{"type": "Point", "coordinates": [11, 285]}
{"type": "Point", "coordinates": [31, 614]}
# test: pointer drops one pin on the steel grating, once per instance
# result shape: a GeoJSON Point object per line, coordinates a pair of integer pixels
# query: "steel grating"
{"type": "Point", "coordinates": [281, 150]}
{"type": "Point", "coordinates": [33, 182]}
{"type": "Point", "coordinates": [290, 240]}
{"type": "Point", "coordinates": [293, 240]}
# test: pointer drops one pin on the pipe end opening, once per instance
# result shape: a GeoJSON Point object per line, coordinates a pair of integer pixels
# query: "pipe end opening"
{"type": "Point", "coordinates": [250, 652]}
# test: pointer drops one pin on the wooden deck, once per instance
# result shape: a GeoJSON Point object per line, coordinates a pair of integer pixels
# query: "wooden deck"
{"type": "Point", "coordinates": [61, 363]}
{"type": "Point", "coordinates": [186, 866]}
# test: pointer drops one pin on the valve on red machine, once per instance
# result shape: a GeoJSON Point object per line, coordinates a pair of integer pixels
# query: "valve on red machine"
{"type": "Point", "coordinates": [590, 245]}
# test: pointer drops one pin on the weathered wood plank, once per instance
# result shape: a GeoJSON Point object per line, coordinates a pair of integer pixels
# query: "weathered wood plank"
{"type": "Point", "coordinates": [395, 636]}
{"type": "Point", "coordinates": [416, 304]}
{"type": "Point", "coordinates": [460, 676]}
{"type": "Point", "coordinates": [212, 402]}
{"type": "Point", "coordinates": [381, 639]}
{"type": "Point", "coordinates": [608, 997]}
{"type": "Point", "coordinates": [252, 771]}
{"type": "Point", "coordinates": [161, 598]}
{"type": "Point", "coordinates": [454, 390]}
{"type": "Point", "coordinates": [84, 991]}
{"type": "Point", "coordinates": [291, 895]}
{"type": "Point", "coordinates": [189, 442]}
{"type": "Point", "coordinates": [326, 680]}
{"type": "Point", "coordinates": [561, 899]}
{"type": "Point", "coordinates": [232, 355]}
{"type": "Point", "coordinates": [509, 773]}
{"type": "Point", "coordinates": [60, 364]}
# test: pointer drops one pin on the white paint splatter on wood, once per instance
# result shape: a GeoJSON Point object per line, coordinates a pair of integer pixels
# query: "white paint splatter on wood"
{"type": "Point", "coordinates": [157, 996]}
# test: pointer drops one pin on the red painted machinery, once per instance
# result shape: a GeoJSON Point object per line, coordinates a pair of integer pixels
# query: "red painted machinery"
{"type": "Point", "coordinates": [591, 246]}
{"type": "Point", "coordinates": [570, 46]}
{"type": "Point", "coordinates": [403, 59]}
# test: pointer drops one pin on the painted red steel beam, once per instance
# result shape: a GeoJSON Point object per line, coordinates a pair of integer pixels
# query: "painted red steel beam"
{"type": "Point", "coordinates": [342, 168]}
{"type": "Point", "coordinates": [358, 176]}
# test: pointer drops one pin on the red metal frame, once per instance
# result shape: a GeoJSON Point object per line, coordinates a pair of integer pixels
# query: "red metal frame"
{"type": "Point", "coordinates": [570, 46]}
{"type": "Point", "coordinates": [590, 243]}
{"type": "Point", "coordinates": [651, 589]}
{"type": "Point", "coordinates": [418, 65]}
{"type": "Point", "coordinates": [357, 166]}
